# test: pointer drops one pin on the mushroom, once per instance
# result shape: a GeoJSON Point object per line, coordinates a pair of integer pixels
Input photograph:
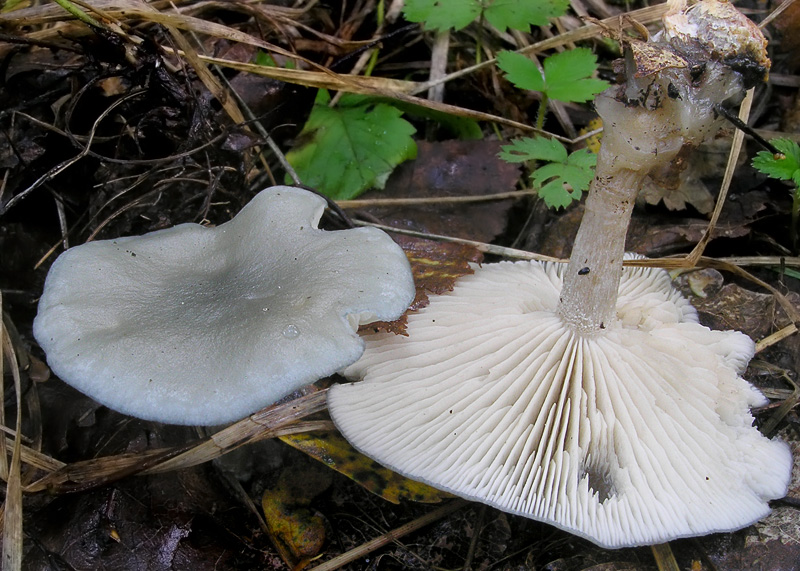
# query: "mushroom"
{"type": "Point", "coordinates": [582, 394]}
{"type": "Point", "coordinates": [196, 325]}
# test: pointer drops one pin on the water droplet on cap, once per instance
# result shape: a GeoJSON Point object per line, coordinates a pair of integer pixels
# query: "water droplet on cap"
{"type": "Point", "coordinates": [291, 332]}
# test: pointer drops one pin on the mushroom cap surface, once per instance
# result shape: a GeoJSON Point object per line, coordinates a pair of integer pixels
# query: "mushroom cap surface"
{"type": "Point", "coordinates": [637, 436]}
{"type": "Point", "coordinates": [196, 325]}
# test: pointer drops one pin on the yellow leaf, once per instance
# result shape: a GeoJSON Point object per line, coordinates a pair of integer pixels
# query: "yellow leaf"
{"type": "Point", "coordinates": [297, 531]}
{"type": "Point", "coordinates": [334, 451]}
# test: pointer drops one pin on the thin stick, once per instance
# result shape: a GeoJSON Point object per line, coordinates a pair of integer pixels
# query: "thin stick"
{"type": "Point", "coordinates": [775, 13]}
{"type": "Point", "coordinates": [480, 246]}
{"type": "Point", "coordinates": [666, 263]}
{"type": "Point", "coordinates": [364, 203]}
{"type": "Point", "coordinates": [742, 126]}
{"type": "Point", "coordinates": [64, 165]}
{"type": "Point", "coordinates": [389, 536]}
{"type": "Point", "coordinates": [776, 337]}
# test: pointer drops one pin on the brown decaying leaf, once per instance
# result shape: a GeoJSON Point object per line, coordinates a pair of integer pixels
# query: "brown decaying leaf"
{"type": "Point", "coordinates": [450, 168]}
{"type": "Point", "coordinates": [436, 266]}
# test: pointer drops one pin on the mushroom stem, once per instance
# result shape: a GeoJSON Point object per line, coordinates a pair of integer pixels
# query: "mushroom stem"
{"type": "Point", "coordinates": [665, 107]}
{"type": "Point", "coordinates": [589, 296]}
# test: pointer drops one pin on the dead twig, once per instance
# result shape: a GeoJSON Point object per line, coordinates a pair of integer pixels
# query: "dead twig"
{"type": "Point", "coordinates": [384, 202]}
{"type": "Point", "coordinates": [64, 165]}
{"type": "Point", "coordinates": [389, 537]}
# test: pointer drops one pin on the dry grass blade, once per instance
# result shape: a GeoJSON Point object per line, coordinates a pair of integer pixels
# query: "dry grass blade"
{"type": "Point", "coordinates": [730, 167]}
{"type": "Point", "coordinates": [480, 246]}
{"type": "Point", "coordinates": [666, 263]}
{"type": "Point", "coordinates": [365, 85]}
{"type": "Point", "coordinates": [776, 337]}
{"type": "Point", "coordinates": [377, 86]}
{"type": "Point", "coordinates": [775, 13]}
{"type": "Point", "coordinates": [783, 409]}
{"type": "Point", "coordinates": [272, 421]}
{"type": "Point", "coordinates": [89, 474]}
{"type": "Point", "coordinates": [212, 83]}
{"type": "Point", "coordinates": [36, 459]}
{"type": "Point", "coordinates": [131, 10]}
{"type": "Point", "coordinates": [665, 559]}
{"type": "Point", "coordinates": [12, 508]}
{"type": "Point", "coordinates": [364, 203]}
{"type": "Point", "coordinates": [388, 537]}
{"type": "Point", "coordinates": [267, 423]}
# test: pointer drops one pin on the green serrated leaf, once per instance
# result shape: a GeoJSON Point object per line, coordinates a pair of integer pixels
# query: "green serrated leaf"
{"type": "Point", "coordinates": [351, 147]}
{"type": "Point", "coordinates": [520, 71]}
{"type": "Point", "coordinates": [787, 168]}
{"type": "Point", "coordinates": [577, 177]}
{"type": "Point", "coordinates": [442, 14]}
{"type": "Point", "coordinates": [521, 15]}
{"type": "Point", "coordinates": [583, 158]}
{"type": "Point", "coordinates": [533, 149]}
{"type": "Point", "coordinates": [564, 177]}
{"type": "Point", "coordinates": [555, 195]}
{"type": "Point", "coordinates": [265, 59]}
{"type": "Point", "coordinates": [568, 76]}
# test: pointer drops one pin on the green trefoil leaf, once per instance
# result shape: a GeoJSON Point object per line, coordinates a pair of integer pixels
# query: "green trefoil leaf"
{"type": "Point", "coordinates": [563, 178]}
{"type": "Point", "coordinates": [502, 14]}
{"type": "Point", "coordinates": [522, 14]}
{"type": "Point", "coordinates": [442, 14]}
{"type": "Point", "coordinates": [781, 168]}
{"type": "Point", "coordinates": [567, 75]}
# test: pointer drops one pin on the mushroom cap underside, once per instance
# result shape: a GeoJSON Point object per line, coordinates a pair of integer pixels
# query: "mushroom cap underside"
{"type": "Point", "coordinates": [196, 325]}
{"type": "Point", "coordinates": [637, 436]}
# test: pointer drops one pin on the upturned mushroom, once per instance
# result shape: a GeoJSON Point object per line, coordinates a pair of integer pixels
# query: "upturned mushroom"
{"type": "Point", "coordinates": [585, 395]}
{"type": "Point", "coordinates": [196, 325]}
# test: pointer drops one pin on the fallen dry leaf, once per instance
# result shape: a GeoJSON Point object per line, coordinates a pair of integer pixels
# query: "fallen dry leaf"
{"type": "Point", "coordinates": [334, 451]}
{"type": "Point", "coordinates": [446, 169]}
{"type": "Point", "coordinates": [295, 528]}
{"type": "Point", "coordinates": [436, 266]}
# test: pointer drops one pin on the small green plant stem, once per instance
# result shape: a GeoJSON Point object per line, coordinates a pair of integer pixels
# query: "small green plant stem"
{"type": "Point", "coordinates": [542, 111]}
{"type": "Point", "coordinates": [380, 15]}
{"type": "Point", "coordinates": [795, 218]}
{"type": "Point", "coordinates": [479, 41]}
{"type": "Point", "coordinates": [78, 13]}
